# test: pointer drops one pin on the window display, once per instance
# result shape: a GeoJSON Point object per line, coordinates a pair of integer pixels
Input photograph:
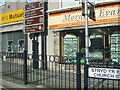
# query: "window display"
{"type": "Point", "coordinates": [115, 47]}
{"type": "Point", "coordinates": [70, 45]}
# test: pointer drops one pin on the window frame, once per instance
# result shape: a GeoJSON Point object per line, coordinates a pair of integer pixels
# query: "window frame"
{"type": "Point", "coordinates": [23, 44]}
{"type": "Point", "coordinates": [12, 46]}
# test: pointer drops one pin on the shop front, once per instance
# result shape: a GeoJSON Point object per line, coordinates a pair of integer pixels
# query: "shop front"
{"type": "Point", "coordinates": [104, 33]}
{"type": "Point", "coordinates": [12, 36]}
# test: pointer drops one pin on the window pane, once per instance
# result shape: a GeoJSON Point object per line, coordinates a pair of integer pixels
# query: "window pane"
{"type": "Point", "coordinates": [10, 46]}
{"type": "Point", "coordinates": [21, 46]}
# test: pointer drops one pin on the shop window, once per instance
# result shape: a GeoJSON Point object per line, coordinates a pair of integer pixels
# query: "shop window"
{"type": "Point", "coordinates": [70, 45]}
{"type": "Point", "coordinates": [10, 46]}
{"type": "Point", "coordinates": [21, 45]}
{"type": "Point", "coordinates": [115, 47]}
{"type": "Point", "coordinates": [96, 44]}
{"type": "Point", "coordinates": [96, 47]}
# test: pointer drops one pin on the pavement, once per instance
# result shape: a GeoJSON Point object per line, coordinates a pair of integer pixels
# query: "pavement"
{"type": "Point", "coordinates": [9, 83]}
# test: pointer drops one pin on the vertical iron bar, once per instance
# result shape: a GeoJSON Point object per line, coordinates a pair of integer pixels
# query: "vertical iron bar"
{"type": "Point", "coordinates": [61, 76]}
{"type": "Point", "coordinates": [78, 71]}
{"type": "Point", "coordinates": [55, 74]}
{"type": "Point", "coordinates": [65, 77]}
{"type": "Point", "coordinates": [59, 72]}
{"type": "Point", "coordinates": [69, 76]}
{"type": "Point", "coordinates": [85, 76]}
{"type": "Point", "coordinates": [25, 67]}
{"type": "Point", "coordinates": [10, 65]}
{"type": "Point", "coordinates": [25, 61]}
{"type": "Point", "coordinates": [52, 73]}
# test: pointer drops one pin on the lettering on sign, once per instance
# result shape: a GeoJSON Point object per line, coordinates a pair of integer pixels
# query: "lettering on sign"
{"type": "Point", "coordinates": [34, 28]}
{"type": "Point", "coordinates": [34, 20]}
{"type": "Point", "coordinates": [109, 12]}
{"type": "Point", "coordinates": [72, 17]}
{"type": "Point", "coordinates": [34, 5]}
{"type": "Point", "coordinates": [34, 13]}
{"type": "Point", "coordinates": [107, 73]}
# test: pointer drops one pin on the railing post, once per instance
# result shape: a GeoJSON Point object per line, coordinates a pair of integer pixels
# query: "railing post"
{"type": "Point", "coordinates": [25, 67]}
{"type": "Point", "coordinates": [78, 71]}
{"type": "Point", "coordinates": [85, 76]}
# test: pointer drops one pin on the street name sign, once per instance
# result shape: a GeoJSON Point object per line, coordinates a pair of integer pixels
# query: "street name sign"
{"type": "Point", "coordinates": [107, 73]}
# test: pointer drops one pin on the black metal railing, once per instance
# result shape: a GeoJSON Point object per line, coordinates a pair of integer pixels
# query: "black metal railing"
{"type": "Point", "coordinates": [61, 72]}
{"type": "Point", "coordinates": [12, 64]}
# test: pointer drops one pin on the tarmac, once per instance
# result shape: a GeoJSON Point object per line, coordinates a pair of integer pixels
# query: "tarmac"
{"type": "Point", "coordinates": [9, 83]}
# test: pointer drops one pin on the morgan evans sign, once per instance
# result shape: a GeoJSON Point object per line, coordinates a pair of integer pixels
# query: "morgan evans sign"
{"type": "Point", "coordinates": [107, 73]}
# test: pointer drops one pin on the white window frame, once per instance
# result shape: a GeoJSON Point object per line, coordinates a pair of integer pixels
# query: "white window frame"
{"type": "Point", "coordinates": [60, 3]}
{"type": "Point", "coordinates": [12, 46]}
{"type": "Point", "coordinates": [23, 44]}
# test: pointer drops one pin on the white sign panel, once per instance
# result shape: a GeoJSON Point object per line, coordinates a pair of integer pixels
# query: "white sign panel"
{"type": "Point", "coordinates": [107, 73]}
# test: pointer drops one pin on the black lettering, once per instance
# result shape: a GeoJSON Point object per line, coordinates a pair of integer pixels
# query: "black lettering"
{"type": "Point", "coordinates": [10, 16]}
{"type": "Point", "coordinates": [21, 14]}
{"type": "Point", "coordinates": [102, 12]}
{"type": "Point", "coordinates": [118, 11]}
{"type": "Point", "coordinates": [72, 18]}
{"type": "Point", "coordinates": [67, 18]}
{"type": "Point", "coordinates": [107, 13]}
{"type": "Point", "coordinates": [92, 70]}
{"type": "Point", "coordinates": [112, 12]}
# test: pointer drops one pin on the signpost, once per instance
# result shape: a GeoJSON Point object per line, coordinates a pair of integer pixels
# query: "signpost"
{"type": "Point", "coordinates": [35, 22]}
{"type": "Point", "coordinates": [34, 17]}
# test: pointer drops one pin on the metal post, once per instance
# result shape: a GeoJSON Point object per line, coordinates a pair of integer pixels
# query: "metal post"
{"type": "Point", "coordinates": [25, 61]}
{"type": "Point", "coordinates": [43, 37]}
{"type": "Point", "coordinates": [85, 76]}
{"type": "Point", "coordinates": [78, 71]}
{"type": "Point", "coordinates": [42, 49]}
{"type": "Point", "coordinates": [86, 46]}
{"type": "Point", "coordinates": [35, 51]}
{"type": "Point", "coordinates": [86, 32]}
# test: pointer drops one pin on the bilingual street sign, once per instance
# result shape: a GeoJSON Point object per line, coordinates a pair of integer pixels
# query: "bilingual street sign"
{"type": "Point", "coordinates": [33, 13]}
{"type": "Point", "coordinates": [34, 5]}
{"type": "Point", "coordinates": [34, 28]}
{"type": "Point", "coordinates": [34, 20]}
{"type": "Point", "coordinates": [34, 17]}
{"type": "Point", "coordinates": [106, 73]}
